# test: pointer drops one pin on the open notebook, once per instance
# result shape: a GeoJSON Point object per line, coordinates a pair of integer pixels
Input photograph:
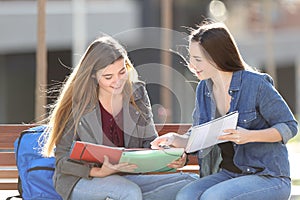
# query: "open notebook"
{"type": "Point", "coordinates": [206, 135]}
{"type": "Point", "coordinates": [147, 160]}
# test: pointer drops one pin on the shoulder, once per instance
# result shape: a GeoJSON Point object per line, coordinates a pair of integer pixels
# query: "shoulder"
{"type": "Point", "coordinates": [257, 77]}
{"type": "Point", "coordinates": [138, 85]}
{"type": "Point", "coordinates": [139, 89]}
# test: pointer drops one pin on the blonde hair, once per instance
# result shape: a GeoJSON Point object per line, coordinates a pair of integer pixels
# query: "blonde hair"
{"type": "Point", "coordinates": [79, 94]}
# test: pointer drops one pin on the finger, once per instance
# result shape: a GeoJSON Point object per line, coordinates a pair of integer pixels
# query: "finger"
{"type": "Point", "coordinates": [121, 165]}
{"type": "Point", "coordinates": [230, 131]}
{"type": "Point", "coordinates": [128, 168]}
{"type": "Point", "coordinates": [223, 137]}
{"type": "Point", "coordinates": [156, 142]}
{"type": "Point", "coordinates": [230, 137]}
{"type": "Point", "coordinates": [176, 165]}
{"type": "Point", "coordinates": [106, 160]}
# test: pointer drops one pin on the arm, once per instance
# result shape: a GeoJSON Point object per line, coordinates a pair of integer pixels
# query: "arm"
{"type": "Point", "coordinates": [87, 170]}
{"type": "Point", "coordinates": [276, 113]}
{"type": "Point", "coordinates": [108, 169]}
{"type": "Point", "coordinates": [65, 165]}
{"type": "Point", "coordinates": [242, 136]}
{"type": "Point", "coordinates": [146, 130]}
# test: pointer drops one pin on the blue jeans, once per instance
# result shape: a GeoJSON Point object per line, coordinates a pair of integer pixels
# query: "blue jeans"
{"type": "Point", "coordinates": [227, 185]}
{"type": "Point", "coordinates": [132, 187]}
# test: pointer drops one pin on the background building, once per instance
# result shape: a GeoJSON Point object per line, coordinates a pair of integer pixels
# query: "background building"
{"type": "Point", "coordinates": [267, 34]}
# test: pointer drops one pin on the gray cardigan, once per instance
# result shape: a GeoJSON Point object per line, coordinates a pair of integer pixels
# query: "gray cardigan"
{"type": "Point", "coordinates": [139, 131]}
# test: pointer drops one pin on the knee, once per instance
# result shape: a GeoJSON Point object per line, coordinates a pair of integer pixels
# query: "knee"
{"type": "Point", "coordinates": [131, 191]}
{"type": "Point", "coordinates": [208, 195]}
{"type": "Point", "coordinates": [188, 193]}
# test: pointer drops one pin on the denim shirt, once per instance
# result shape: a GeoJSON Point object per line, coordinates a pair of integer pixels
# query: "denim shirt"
{"type": "Point", "coordinates": [260, 106]}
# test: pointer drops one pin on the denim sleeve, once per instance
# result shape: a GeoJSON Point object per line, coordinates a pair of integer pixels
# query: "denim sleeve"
{"type": "Point", "coordinates": [275, 110]}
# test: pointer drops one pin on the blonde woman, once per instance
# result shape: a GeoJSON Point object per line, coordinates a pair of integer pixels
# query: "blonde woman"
{"type": "Point", "coordinates": [102, 102]}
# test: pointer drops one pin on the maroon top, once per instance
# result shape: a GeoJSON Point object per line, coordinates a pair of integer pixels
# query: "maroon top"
{"type": "Point", "coordinates": [112, 128]}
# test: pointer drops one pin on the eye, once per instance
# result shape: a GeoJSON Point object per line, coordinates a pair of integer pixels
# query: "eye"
{"type": "Point", "coordinates": [197, 58]}
{"type": "Point", "coordinates": [123, 71]}
{"type": "Point", "coordinates": [108, 77]}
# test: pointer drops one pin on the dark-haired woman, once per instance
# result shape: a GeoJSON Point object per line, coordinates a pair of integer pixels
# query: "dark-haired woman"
{"type": "Point", "coordinates": [254, 161]}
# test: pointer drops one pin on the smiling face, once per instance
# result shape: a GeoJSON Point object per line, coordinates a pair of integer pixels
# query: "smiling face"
{"type": "Point", "coordinates": [112, 78]}
{"type": "Point", "coordinates": [199, 63]}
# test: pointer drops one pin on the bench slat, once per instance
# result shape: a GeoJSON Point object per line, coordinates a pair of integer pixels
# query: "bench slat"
{"type": "Point", "coordinates": [178, 128]}
{"type": "Point", "coordinates": [9, 184]}
{"type": "Point", "coordinates": [9, 173]}
{"type": "Point", "coordinates": [9, 133]}
{"type": "Point", "coordinates": [7, 159]}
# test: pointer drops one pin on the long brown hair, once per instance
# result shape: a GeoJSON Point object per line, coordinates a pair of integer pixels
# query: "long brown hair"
{"type": "Point", "coordinates": [219, 46]}
{"type": "Point", "coordinates": [79, 94]}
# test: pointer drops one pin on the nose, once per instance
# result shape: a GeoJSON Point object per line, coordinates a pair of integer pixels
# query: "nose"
{"type": "Point", "coordinates": [118, 78]}
{"type": "Point", "coordinates": [192, 66]}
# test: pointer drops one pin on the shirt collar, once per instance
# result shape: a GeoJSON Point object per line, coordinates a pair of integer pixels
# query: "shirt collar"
{"type": "Point", "coordinates": [235, 84]}
{"type": "Point", "coordinates": [236, 80]}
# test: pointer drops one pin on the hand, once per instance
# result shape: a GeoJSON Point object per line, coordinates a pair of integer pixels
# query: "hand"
{"type": "Point", "coordinates": [179, 162]}
{"type": "Point", "coordinates": [238, 136]}
{"type": "Point", "coordinates": [164, 140]}
{"type": "Point", "coordinates": [108, 168]}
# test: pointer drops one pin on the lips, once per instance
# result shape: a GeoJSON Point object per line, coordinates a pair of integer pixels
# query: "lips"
{"type": "Point", "coordinates": [199, 72]}
{"type": "Point", "coordinates": [115, 88]}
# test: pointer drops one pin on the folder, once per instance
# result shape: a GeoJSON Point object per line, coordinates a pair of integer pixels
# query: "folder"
{"type": "Point", "coordinates": [206, 135]}
{"type": "Point", "coordinates": [147, 160]}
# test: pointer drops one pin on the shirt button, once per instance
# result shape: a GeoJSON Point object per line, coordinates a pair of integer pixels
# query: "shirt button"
{"type": "Point", "coordinates": [137, 112]}
{"type": "Point", "coordinates": [80, 123]}
{"type": "Point", "coordinates": [248, 170]}
{"type": "Point", "coordinates": [245, 120]}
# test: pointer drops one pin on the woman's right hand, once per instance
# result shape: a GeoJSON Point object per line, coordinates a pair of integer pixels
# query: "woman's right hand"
{"type": "Point", "coordinates": [162, 141]}
{"type": "Point", "coordinates": [109, 169]}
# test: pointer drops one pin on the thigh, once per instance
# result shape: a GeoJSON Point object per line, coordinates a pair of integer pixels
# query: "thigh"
{"type": "Point", "coordinates": [195, 189]}
{"type": "Point", "coordinates": [114, 187]}
{"type": "Point", "coordinates": [250, 187]}
{"type": "Point", "coordinates": [162, 185]}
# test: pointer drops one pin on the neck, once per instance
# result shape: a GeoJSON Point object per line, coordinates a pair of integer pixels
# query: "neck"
{"type": "Point", "coordinates": [222, 80]}
{"type": "Point", "coordinates": [110, 97]}
{"type": "Point", "coordinates": [112, 103]}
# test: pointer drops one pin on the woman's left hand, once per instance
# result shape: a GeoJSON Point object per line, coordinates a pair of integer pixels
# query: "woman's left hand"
{"type": "Point", "coordinates": [179, 162]}
{"type": "Point", "coordinates": [238, 136]}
